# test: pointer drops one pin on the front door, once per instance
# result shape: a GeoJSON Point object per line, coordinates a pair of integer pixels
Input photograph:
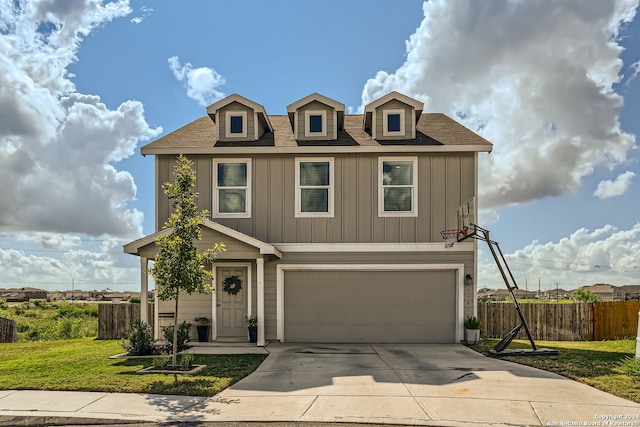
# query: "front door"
{"type": "Point", "coordinates": [231, 308]}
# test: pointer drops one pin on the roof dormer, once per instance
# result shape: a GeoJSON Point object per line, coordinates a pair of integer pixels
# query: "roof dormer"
{"type": "Point", "coordinates": [239, 119]}
{"type": "Point", "coordinates": [316, 118]}
{"type": "Point", "coordinates": [392, 117]}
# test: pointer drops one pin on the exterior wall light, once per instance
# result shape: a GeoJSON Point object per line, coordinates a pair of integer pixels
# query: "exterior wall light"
{"type": "Point", "coordinates": [468, 280]}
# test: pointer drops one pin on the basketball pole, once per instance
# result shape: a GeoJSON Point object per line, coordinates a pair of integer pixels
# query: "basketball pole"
{"type": "Point", "coordinates": [507, 276]}
{"type": "Point", "coordinates": [501, 262]}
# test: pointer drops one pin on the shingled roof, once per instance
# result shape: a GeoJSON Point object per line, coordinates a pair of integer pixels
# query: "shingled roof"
{"type": "Point", "coordinates": [434, 132]}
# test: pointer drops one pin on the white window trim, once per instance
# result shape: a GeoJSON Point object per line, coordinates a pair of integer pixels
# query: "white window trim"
{"type": "Point", "coordinates": [331, 187]}
{"type": "Point", "coordinates": [216, 207]}
{"type": "Point", "coordinates": [307, 124]}
{"type": "Point", "coordinates": [385, 122]}
{"type": "Point", "coordinates": [414, 193]}
{"type": "Point", "coordinates": [228, 115]}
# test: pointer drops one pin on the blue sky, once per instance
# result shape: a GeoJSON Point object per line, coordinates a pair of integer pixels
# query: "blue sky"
{"type": "Point", "coordinates": [552, 85]}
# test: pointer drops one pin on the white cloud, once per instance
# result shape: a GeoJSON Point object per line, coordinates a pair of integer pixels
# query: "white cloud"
{"type": "Point", "coordinates": [618, 187]}
{"type": "Point", "coordinates": [56, 145]}
{"type": "Point", "coordinates": [201, 83]}
{"type": "Point", "coordinates": [604, 255]}
{"type": "Point", "coordinates": [535, 78]}
{"type": "Point", "coordinates": [144, 12]}
{"type": "Point", "coordinates": [636, 69]}
{"type": "Point", "coordinates": [57, 149]}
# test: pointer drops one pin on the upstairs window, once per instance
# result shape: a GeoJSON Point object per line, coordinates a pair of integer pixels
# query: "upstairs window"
{"type": "Point", "coordinates": [314, 187]}
{"type": "Point", "coordinates": [232, 191]}
{"type": "Point", "coordinates": [393, 122]}
{"type": "Point", "coordinates": [315, 123]}
{"type": "Point", "coordinates": [398, 190]}
{"type": "Point", "coordinates": [236, 124]}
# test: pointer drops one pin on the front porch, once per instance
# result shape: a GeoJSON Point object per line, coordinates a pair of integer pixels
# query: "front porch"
{"type": "Point", "coordinates": [226, 310]}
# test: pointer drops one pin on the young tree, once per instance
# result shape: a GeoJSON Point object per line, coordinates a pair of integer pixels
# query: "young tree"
{"type": "Point", "coordinates": [179, 266]}
{"type": "Point", "coordinates": [585, 295]}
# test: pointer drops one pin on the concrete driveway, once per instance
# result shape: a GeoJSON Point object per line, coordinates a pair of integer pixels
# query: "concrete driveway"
{"type": "Point", "coordinates": [410, 384]}
{"type": "Point", "coordinates": [443, 385]}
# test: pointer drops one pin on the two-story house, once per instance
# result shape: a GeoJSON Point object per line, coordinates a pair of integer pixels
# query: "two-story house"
{"type": "Point", "coordinates": [332, 221]}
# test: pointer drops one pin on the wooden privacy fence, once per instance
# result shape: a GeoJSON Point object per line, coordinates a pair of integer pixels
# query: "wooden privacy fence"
{"type": "Point", "coordinates": [115, 320]}
{"type": "Point", "coordinates": [614, 320]}
{"type": "Point", "coordinates": [563, 322]}
{"type": "Point", "coordinates": [8, 330]}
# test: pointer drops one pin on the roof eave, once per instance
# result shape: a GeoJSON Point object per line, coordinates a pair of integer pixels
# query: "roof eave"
{"type": "Point", "coordinates": [321, 149]}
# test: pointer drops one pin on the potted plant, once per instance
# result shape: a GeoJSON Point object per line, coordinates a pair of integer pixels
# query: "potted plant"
{"type": "Point", "coordinates": [203, 328]}
{"type": "Point", "coordinates": [472, 327]}
{"type": "Point", "coordinates": [252, 325]}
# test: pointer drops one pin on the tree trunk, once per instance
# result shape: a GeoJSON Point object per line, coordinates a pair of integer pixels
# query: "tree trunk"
{"type": "Point", "coordinates": [174, 358]}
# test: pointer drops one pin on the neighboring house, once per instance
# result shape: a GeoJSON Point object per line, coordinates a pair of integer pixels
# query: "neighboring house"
{"type": "Point", "coordinates": [22, 294]}
{"type": "Point", "coordinates": [604, 291]}
{"type": "Point", "coordinates": [629, 292]}
{"type": "Point", "coordinates": [331, 221]}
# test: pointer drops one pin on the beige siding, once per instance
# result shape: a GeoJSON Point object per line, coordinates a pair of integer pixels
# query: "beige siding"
{"type": "Point", "coordinates": [221, 122]}
{"type": "Point", "coordinates": [200, 304]}
{"type": "Point", "coordinates": [189, 307]}
{"type": "Point", "coordinates": [316, 106]}
{"type": "Point", "coordinates": [444, 182]}
{"type": "Point", "coordinates": [394, 105]}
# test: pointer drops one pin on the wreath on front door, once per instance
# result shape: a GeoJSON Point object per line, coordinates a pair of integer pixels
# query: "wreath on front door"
{"type": "Point", "coordinates": [232, 285]}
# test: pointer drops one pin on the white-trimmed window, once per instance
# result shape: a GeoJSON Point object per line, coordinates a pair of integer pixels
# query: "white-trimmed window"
{"type": "Point", "coordinates": [236, 124]}
{"type": "Point", "coordinates": [393, 122]}
{"type": "Point", "coordinates": [315, 123]}
{"type": "Point", "coordinates": [232, 188]}
{"type": "Point", "coordinates": [314, 187]}
{"type": "Point", "coordinates": [398, 186]}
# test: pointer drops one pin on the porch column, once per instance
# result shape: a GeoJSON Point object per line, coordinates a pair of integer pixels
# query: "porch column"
{"type": "Point", "coordinates": [260, 291]}
{"type": "Point", "coordinates": [144, 290]}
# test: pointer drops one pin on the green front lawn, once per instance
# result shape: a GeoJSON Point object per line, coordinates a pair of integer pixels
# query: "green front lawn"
{"type": "Point", "coordinates": [606, 365]}
{"type": "Point", "coordinates": [83, 364]}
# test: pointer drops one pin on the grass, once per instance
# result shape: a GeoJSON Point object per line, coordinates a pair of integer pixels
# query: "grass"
{"type": "Point", "coordinates": [83, 364]}
{"type": "Point", "coordinates": [606, 365]}
{"type": "Point", "coordinates": [44, 321]}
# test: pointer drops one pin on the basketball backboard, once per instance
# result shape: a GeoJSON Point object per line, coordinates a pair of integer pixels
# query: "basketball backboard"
{"type": "Point", "coordinates": [467, 219]}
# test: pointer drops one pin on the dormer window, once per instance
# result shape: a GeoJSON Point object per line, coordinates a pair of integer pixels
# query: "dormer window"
{"type": "Point", "coordinates": [316, 119]}
{"type": "Point", "coordinates": [315, 123]}
{"type": "Point", "coordinates": [236, 124]}
{"type": "Point", "coordinates": [393, 122]}
{"type": "Point", "coordinates": [392, 117]}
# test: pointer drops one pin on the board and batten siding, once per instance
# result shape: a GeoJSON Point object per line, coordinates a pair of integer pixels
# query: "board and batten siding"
{"type": "Point", "coordinates": [445, 181]}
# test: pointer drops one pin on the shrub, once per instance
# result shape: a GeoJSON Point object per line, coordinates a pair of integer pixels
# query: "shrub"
{"type": "Point", "coordinates": [472, 322]}
{"type": "Point", "coordinates": [3, 304]}
{"type": "Point", "coordinates": [40, 304]}
{"type": "Point", "coordinates": [134, 300]}
{"type": "Point", "coordinates": [159, 362]}
{"type": "Point", "coordinates": [77, 310]}
{"type": "Point", "coordinates": [183, 336]}
{"type": "Point", "coordinates": [140, 338]}
{"type": "Point", "coordinates": [186, 361]}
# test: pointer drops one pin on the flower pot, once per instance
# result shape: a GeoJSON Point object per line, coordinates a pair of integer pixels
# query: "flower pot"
{"type": "Point", "coordinates": [472, 336]}
{"type": "Point", "coordinates": [253, 333]}
{"type": "Point", "coordinates": [203, 333]}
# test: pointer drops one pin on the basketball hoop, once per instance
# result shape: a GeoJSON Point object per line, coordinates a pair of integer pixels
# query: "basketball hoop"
{"type": "Point", "coordinates": [450, 237]}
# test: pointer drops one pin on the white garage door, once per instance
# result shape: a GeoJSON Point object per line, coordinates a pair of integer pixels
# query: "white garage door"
{"type": "Point", "coordinates": [370, 306]}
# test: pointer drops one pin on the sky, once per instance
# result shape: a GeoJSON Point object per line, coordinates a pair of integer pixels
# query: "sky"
{"type": "Point", "coordinates": [553, 85]}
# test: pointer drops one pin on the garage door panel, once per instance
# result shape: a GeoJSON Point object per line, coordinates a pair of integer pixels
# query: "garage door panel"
{"type": "Point", "coordinates": [370, 306]}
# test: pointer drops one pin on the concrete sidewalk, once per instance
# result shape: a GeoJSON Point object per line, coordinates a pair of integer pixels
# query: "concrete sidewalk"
{"type": "Point", "coordinates": [391, 384]}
